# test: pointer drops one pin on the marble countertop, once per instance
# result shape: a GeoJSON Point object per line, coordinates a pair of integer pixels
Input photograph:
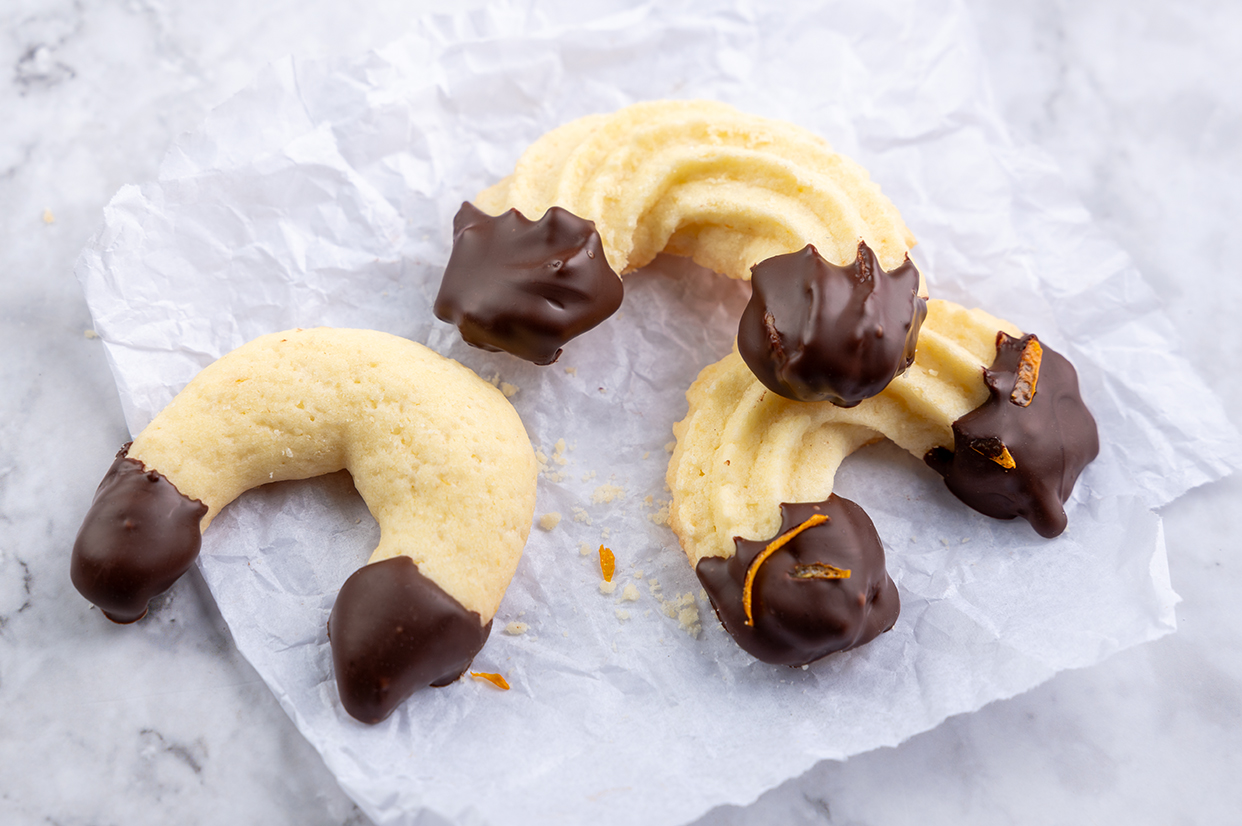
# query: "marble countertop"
{"type": "Point", "coordinates": [165, 721]}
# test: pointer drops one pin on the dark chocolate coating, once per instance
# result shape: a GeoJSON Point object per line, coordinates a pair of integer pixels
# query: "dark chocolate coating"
{"type": "Point", "coordinates": [394, 631]}
{"type": "Point", "coordinates": [526, 287]}
{"type": "Point", "coordinates": [138, 537]}
{"type": "Point", "coordinates": [801, 620]}
{"type": "Point", "coordinates": [1050, 440]}
{"type": "Point", "coordinates": [814, 331]}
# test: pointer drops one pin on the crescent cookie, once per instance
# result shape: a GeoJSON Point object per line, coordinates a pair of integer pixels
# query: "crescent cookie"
{"type": "Point", "coordinates": [439, 456]}
{"type": "Point", "coordinates": [536, 258]}
{"type": "Point", "coordinates": [1010, 445]}
{"type": "Point", "coordinates": [702, 179]}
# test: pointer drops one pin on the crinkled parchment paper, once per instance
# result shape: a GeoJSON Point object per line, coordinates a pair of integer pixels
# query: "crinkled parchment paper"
{"type": "Point", "coordinates": [323, 195]}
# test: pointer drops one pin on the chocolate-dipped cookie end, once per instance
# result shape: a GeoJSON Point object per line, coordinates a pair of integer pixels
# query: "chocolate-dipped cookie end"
{"type": "Point", "coordinates": [814, 331]}
{"type": "Point", "coordinates": [526, 287]}
{"type": "Point", "coordinates": [139, 536]}
{"type": "Point", "coordinates": [823, 589]}
{"type": "Point", "coordinates": [394, 631]}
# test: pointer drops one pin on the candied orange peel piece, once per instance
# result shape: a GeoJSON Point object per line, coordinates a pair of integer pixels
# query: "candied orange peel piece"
{"type": "Point", "coordinates": [495, 679]}
{"type": "Point", "coordinates": [748, 587]}
{"type": "Point", "coordinates": [994, 449]}
{"type": "Point", "coordinates": [607, 563]}
{"type": "Point", "coordinates": [1028, 374]}
{"type": "Point", "coordinates": [820, 570]}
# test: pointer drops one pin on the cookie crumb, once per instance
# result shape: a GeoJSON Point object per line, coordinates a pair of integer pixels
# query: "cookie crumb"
{"type": "Point", "coordinates": [48, 217]}
{"type": "Point", "coordinates": [668, 448]}
{"type": "Point", "coordinates": [515, 629]}
{"type": "Point", "coordinates": [622, 614]}
{"type": "Point", "coordinates": [606, 493]}
{"type": "Point", "coordinates": [580, 515]}
{"type": "Point", "coordinates": [584, 549]}
{"type": "Point", "coordinates": [586, 477]}
{"type": "Point", "coordinates": [606, 587]}
{"type": "Point", "coordinates": [660, 517]}
{"type": "Point", "coordinates": [88, 333]}
{"type": "Point", "coordinates": [688, 617]}
{"type": "Point", "coordinates": [509, 390]}
{"type": "Point", "coordinates": [549, 520]}
{"type": "Point", "coordinates": [573, 371]}
{"type": "Point", "coordinates": [646, 453]}
{"type": "Point", "coordinates": [630, 593]}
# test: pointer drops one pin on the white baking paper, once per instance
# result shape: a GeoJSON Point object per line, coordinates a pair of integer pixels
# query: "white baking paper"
{"type": "Point", "coordinates": [323, 195]}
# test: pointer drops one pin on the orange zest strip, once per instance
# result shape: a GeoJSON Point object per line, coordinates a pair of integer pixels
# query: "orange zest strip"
{"type": "Point", "coordinates": [820, 570]}
{"type": "Point", "coordinates": [607, 563]}
{"type": "Point", "coordinates": [1028, 374]}
{"type": "Point", "coordinates": [495, 679]}
{"type": "Point", "coordinates": [748, 587]}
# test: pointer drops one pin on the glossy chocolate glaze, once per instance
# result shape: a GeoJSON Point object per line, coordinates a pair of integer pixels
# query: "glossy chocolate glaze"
{"type": "Point", "coordinates": [1050, 440]}
{"type": "Point", "coordinates": [526, 287]}
{"type": "Point", "coordinates": [394, 631]}
{"type": "Point", "coordinates": [814, 331]}
{"type": "Point", "coordinates": [798, 620]}
{"type": "Point", "coordinates": [138, 537]}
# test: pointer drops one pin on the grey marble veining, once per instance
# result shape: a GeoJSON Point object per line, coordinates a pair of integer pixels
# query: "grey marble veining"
{"type": "Point", "coordinates": [164, 722]}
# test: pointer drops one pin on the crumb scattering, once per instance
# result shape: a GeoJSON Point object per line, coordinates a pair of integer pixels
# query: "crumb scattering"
{"type": "Point", "coordinates": [606, 587]}
{"type": "Point", "coordinates": [549, 520]}
{"type": "Point", "coordinates": [580, 515]}
{"type": "Point", "coordinates": [48, 217]}
{"type": "Point", "coordinates": [630, 592]}
{"type": "Point", "coordinates": [516, 629]}
{"type": "Point", "coordinates": [668, 448]}
{"type": "Point", "coordinates": [509, 390]}
{"type": "Point", "coordinates": [90, 333]}
{"type": "Point", "coordinates": [622, 614]}
{"type": "Point", "coordinates": [573, 371]}
{"type": "Point", "coordinates": [584, 549]}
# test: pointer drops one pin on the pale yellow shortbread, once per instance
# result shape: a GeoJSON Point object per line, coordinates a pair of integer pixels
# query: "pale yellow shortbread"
{"type": "Point", "coordinates": [743, 450]}
{"type": "Point", "coordinates": [439, 456]}
{"type": "Point", "coordinates": [701, 179]}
